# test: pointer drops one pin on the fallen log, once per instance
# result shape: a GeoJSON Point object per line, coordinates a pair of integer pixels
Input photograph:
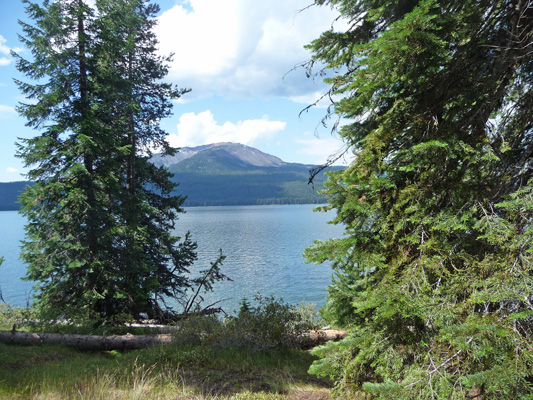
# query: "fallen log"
{"type": "Point", "coordinates": [85, 342]}
{"type": "Point", "coordinates": [320, 336]}
{"type": "Point", "coordinates": [326, 334]}
{"type": "Point", "coordinates": [132, 342]}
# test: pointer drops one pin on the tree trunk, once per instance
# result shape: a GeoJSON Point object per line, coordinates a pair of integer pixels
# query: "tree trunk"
{"type": "Point", "coordinates": [85, 342]}
{"type": "Point", "coordinates": [135, 342]}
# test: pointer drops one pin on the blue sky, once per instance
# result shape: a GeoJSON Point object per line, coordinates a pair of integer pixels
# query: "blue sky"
{"type": "Point", "coordinates": [235, 55]}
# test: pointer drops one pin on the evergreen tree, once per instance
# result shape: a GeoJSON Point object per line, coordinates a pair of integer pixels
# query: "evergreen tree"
{"type": "Point", "coordinates": [433, 278]}
{"type": "Point", "coordinates": [99, 239]}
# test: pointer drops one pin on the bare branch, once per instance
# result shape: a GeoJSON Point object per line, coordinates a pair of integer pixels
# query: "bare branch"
{"type": "Point", "coordinates": [313, 172]}
{"type": "Point", "coordinates": [443, 364]}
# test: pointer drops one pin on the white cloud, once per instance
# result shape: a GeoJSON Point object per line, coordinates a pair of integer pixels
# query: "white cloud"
{"type": "Point", "coordinates": [6, 51]}
{"type": "Point", "coordinates": [6, 111]}
{"type": "Point", "coordinates": [3, 48]}
{"type": "Point", "coordinates": [242, 47]}
{"type": "Point", "coordinates": [321, 100]}
{"type": "Point", "coordinates": [321, 149]}
{"type": "Point", "coordinates": [11, 170]}
{"type": "Point", "coordinates": [202, 128]}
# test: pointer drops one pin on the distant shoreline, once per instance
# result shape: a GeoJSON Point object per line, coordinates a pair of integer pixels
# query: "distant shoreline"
{"type": "Point", "coordinates": [225, 205]}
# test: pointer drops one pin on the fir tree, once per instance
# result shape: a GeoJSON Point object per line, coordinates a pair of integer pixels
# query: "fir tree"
{"type": "Point", "coordinates": [100, 217]}
{"type": "Point", "coordinates": [433, 278]}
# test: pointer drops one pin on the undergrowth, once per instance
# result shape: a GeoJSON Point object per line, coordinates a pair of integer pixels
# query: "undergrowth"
{"type": "Point", "coordinates": [248, 356]}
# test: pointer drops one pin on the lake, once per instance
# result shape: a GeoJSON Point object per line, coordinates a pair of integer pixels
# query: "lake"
{"type": "Point", "coordinates": [263, 246]}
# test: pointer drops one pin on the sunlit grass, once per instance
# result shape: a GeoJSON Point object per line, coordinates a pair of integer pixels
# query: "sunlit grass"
{"type": "Point", "coordinates": [170, 372]}
{"type": "Point", "coordinates": [208, 359]}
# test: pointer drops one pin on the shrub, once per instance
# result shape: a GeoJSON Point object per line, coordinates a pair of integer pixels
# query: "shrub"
{"type": "Point", "coordinates": [267, 323]}
{"type": "Point", "coordinates": [19, 316]}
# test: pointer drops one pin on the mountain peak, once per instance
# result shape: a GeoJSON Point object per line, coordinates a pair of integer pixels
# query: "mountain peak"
{"type": "Point", "coordinates": [245, 155]}
{"type": "Point", "coordinates": [249, 155]}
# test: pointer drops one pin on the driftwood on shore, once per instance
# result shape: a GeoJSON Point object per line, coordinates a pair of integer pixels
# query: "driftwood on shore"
{"type": "Point", "coordinates": [128, 342]}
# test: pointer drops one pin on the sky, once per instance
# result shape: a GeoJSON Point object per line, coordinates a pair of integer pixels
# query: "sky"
{"type": "Point", "coordinates": [238, 57]}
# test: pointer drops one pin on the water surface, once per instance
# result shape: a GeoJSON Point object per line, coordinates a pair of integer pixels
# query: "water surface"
{"type": "Point", "coordinates": [263, 246]}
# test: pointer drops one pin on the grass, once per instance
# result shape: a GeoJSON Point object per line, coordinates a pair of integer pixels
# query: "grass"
{"type": "Point", "coordinates": [248, 357]}
{"type": "Point", "coordinates": [168, 372]}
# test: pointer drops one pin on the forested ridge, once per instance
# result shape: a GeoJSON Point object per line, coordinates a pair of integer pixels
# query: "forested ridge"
{"type": "Point", "coordinates": [215, 179]}
{"type": "Point", "coordinates": [9, 193]}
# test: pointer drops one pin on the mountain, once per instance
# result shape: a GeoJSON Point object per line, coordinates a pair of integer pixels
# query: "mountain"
{"type": "Point", "coordinates": [248, 156]}
{"type": "Point", "coordinates": [235, 174]}
{"type": "Point", "coordinates": [224, 174]}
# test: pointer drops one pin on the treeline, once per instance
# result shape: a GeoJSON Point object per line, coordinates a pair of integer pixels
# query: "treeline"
{"type": "Point", "coordinates": [257, 202]}
{"type": "Point", "coordinates": [248, 189]}
{"type": "Point", "coordinates": [9, 193]}
{"type": "Point", "coordinates": [254, 188]}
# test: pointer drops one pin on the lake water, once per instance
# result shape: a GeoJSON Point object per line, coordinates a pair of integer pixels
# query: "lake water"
{"type": "Point", "coordinates": [263, 246]}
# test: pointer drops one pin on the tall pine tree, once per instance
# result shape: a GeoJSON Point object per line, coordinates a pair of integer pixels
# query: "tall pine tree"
{"type": "Point", "coordinates": [433, 278]}
{"type": "Point", "coordinates": [100, 217]}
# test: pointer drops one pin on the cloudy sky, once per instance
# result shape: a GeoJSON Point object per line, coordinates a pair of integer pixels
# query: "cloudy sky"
{"type": "Point", "coordinates": [237, 56]}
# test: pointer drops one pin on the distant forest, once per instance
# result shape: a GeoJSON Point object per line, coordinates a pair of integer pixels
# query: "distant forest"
{"type": "Point", "coordinates": [248, 189]}
{"type": "Point", "coordinates": [9, 193]}
{"type": "Point", "coordinates": [220, 190]}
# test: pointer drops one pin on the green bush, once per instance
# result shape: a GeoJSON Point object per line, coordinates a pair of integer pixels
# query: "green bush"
{"type": "Point", "coordinates": [267, 323]}
{"type": "Point", "coordinates": [198, 330]}
{"type": "Point", "coordinates": [19, 316]}
{"type": "Point", "coordinates": [308, 314]}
